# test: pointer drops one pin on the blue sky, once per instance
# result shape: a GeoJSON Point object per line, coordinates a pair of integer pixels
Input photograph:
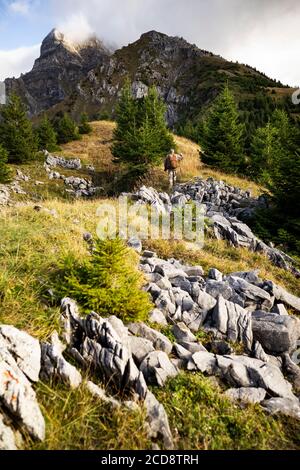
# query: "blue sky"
{"type": "Point", "coordinates": [24, 23]}
{"type": "Point", "coordinates": [262, 33]}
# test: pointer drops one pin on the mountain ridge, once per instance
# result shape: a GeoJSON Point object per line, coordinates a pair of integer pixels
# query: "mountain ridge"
{"type": "Point", "coordinates": [88, 76]}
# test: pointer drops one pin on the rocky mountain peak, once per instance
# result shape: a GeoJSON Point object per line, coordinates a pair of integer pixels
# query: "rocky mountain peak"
{"type": "Point", "coordinates": [52, 41]}
{"type": "Point", "coordinates": [57, 40]}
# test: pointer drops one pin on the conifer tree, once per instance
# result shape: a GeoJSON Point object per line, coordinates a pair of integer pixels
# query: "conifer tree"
{"type": "Point", "coordinates": [16, 132]}
{"type": "Point", "coordinates": [285, 169]}
{"type": "Point", "coordinates": [66, 129]}
{"type": "Point", "coordinates": [108, 282]}
{"type": "Point", "coordinates": [153, 111]}
{"type": "Point", "coordinates": [84, 126]}
{"type": "Point", "coordinates": [4, 170]}
{"type": "Point", "coordinates": [47, 138]}
{"type": "Point", "coordinates": [223, 135]}
{"type": "Point", "coordinates": [126, 120]}
{"type": "Point", "coordinates": [266, 151]}
{"type": "Point", "coordinates": [141, 136]}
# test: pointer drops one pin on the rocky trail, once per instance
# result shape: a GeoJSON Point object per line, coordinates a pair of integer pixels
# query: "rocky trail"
{"type": "Point", "coordinates": [225, 207]}
{"type": "Point", "coordinates": [250, 328]}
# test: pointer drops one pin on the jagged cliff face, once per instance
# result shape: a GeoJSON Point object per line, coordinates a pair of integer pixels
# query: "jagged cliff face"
{"type": "Point", "coordinates": [89, 77]}
{"type": "Point", "coordinates": [155, 58]}
{"type": "Point", "coordinates": [57, 71]}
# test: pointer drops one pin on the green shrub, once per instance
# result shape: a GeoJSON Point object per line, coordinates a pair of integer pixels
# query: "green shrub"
{"type": "Point", "coordinates": [108, 282]}
{"type": "Point", "coordinates": [202, 418]}
{"type": "Point", "coordinates": [66, 129]}
{"type": "Point", "coordinates": [46, 135]}
{"type": "Point", "coordinates": [84, 126]}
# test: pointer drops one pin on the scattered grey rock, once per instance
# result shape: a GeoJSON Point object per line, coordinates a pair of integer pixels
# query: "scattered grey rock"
{"type": "Point", "coordinates": [291, 370]}
{"type": "Point", "coordinates": [216, 288]}
{"type": "Point", "coordinates": [21, 176]}
{"type": "Point", "coordinates": [120, 329]}
{"type": "Point", "coordinates": [279, 309]}
{"type": "Point", "coordinates": [249, 276]}
{"type": "Point", "coordinates": [149, 254]}
{"type": "Point", "coordinates": [136, 244]}
{"type": "Point", "coordinates": [158, 420]}
{"type": "Point", "coordinates": [183, 333]}
{"type": "Point", "coordinates": [215, 275]}
{"type": "Point", "coordinates": [157, 316]}
{"type": "Point", "coordinates": [259, 353]}
{"type": "Point", "coordinates": [276, 333]}
{"type": "Point", "coordinates": [159, 341]}
{"type": "Point", "coordinates": [192, 347]}
{"type": "Point", "coordinates": [7, 437]}
{"type": "Point", "coordinates": [255, 297]}
{"type": "Point", "coordinates": [140, 348]}
{"type": "Point", "coordinates": [194, 270]}
{"type": "Point", "coordinates": [98, 345]}
{"type": "Point", "coordinates": [54, 161]}
{"type": "Point", "coordinates": [285, 406]}
{"type": "Point", "coordinates": [165, 304]}
{"type": "Point", "coordinates": [54, 365]}
{"type": "Point", "coordinates": [183, 354]}
{"type": "Point", "coordinates": [243, 371]}
{"type": "Point", "coordinates": [206, 303]}
{"type": "Point", "coordinates": [157, 368]}
{"type": "Point", "coordinates": [282, 295]}
{"type": "Point", "coordinates": [203, 361]}
{"type": "Point", "coordinates": [24, 348]}
{"type": "Point", "coordinates": [19, 398]}
{"type": "Point", "coordinates": [4, 195]}
{"type": "Point", "coordinates": [246, 394]}
{"type": "Point", "coordinates": [233, 321]}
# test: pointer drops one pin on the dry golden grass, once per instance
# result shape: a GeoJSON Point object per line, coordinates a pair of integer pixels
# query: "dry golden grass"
{"type": "Point", "coordinates": [94, 148]}
{"type": "Point", "coordinates": [192, 166]}
{"type": "Point", "coordinates": [75, 420]}
{"type": "Point", "coordinates": [31, 243]}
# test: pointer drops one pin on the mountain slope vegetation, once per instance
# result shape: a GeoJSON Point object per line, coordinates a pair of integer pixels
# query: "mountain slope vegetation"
{"type": "Point", "coordinates": [74, 420]}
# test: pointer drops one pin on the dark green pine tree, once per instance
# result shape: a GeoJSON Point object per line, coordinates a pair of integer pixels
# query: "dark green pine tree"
{"type": "Point", "coordinates": [153, 114]}
{"type": "Point", "coordinates": [285, 169]}
{"type": "Point", "coordinates": [141, 136]}
{"type": "Point", "coordinates": [108, 282]}
{"type": "Point", "coordinates": [16, 132]}
{"type": "Point", "coordinates": [47, 138]}
{"type": "Point", "coordinates": [66, 129]}
{"type": "Point", "coordinates": [266, 151]}
{"type": "Point", "coordinates": [287, 133]}
{"type": "Point", "coordinates": [223, 135]}
{"type": "Point", "coordinates": [4, 170]}
{"type": "Point", "coordinates": [126, 114]}
{"type": "Point", "coordinates": [84, 126]}
{"type": "Point", "coordinates": [285, 184]}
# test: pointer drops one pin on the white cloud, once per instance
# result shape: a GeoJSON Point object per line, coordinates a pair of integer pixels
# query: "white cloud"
{"type": "Point", "coordinates": [263, 33]}
{"type": "Point", "coordinates": [17, 61]}
{"type": "Point", "coordinates": [21, 7]}
{"type": "Point", "coordinates": [76, 27]}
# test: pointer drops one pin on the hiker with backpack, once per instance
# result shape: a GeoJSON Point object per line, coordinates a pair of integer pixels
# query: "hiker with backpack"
{"type": "Point", "coordinates": [171, 164]}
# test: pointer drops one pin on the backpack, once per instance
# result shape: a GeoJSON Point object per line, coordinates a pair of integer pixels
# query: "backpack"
{"type": "Point", "coordinates": [171, 162]}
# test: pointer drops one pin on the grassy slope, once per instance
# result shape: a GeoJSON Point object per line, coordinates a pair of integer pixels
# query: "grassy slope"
{"type": "Point", "coordinates": [31, 244]}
